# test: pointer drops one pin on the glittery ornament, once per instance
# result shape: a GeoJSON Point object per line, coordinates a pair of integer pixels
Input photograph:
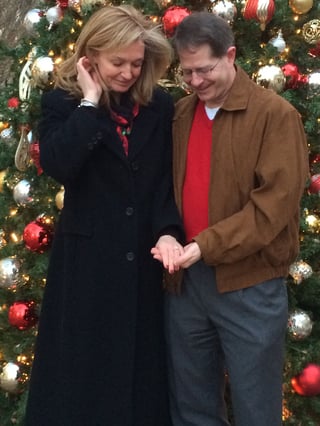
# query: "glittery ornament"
{"type": "Point", "coordinates": [260, 10]}
{"type": "Point", "coordinates": [225, 9]}
{"type": "Point", "coordinates": [37, 235]}
{"type": "Point", "coordinates": [10, 377]}
{"type": "Point", "coordinates": [299, 325]}
{"type": "Point", "coordinates": [300, 271]}
{"type": "Point", "coordinates": [311, 31]}
{"type": "Point", "coordinates": [300, 6]}
{"type": "Point", "coordinates": [271, 77]}
{"type": "Point", "coordinates": [22, 315]}
{"type": "Point", "coordinates": [307, 383]}
{"type": "Point", "coordinates": [13, 102]}
{"type": "Point", "coordinates": [9, 272]}
{"type": "Point", "coordinates": [172, 18]}
{"type": "Point", "coordinates": [22, 193]}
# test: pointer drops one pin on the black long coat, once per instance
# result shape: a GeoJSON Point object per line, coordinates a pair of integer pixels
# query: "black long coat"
{"type": "Point", "coordinates": [99, 358]}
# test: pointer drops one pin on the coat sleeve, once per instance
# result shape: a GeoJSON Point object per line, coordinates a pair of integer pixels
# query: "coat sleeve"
{"type": "Point", "coordinates": [67, 135]}
{"type": "Point", "coordinates": [166, 216]}
{"type": "Point", "coordinates": [273, 204]}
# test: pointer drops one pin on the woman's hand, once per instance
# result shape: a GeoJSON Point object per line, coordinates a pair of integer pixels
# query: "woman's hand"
{"type": "Point", "coordinates": [167, 250]}
{"type": "Point", "coordinates": [88, 80]}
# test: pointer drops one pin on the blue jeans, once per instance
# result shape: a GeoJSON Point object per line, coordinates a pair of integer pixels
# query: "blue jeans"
{"type": "Point", "coordinates": [237, 336]}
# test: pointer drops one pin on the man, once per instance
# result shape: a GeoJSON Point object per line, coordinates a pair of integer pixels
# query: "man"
{"type": "Point", "coordinates": [240, 167]}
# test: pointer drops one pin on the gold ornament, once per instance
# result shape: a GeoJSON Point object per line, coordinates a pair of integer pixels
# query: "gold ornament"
{"type": "Point", "coordinates": [271, 77]}
{"type": "Point", "coordinates": [60, 198]}
{"type": "Point", "coordinates": [311, 31]}
{"type": "Point", "coordinates": [3, 125]}
{"type": "Point", "coordinates": [42, 72]}
{"type": "Point", "coordinates": [2, 178]}
{"type": "Point", "coordinates": [22, 156]}
{"type": "Point", "coordinates": [300, 6]}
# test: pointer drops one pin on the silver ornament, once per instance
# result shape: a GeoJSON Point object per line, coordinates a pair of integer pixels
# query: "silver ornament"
{"type": "Point", "coordinates": [300, 271]}
{"type": "Point", "coordinates": [31, 19]}
{"type": "Point", "coordinates": [9, 377]}
{"type": "Point", "coordinates": [54, 15]}
{"type": "Point", "coordinates": [271, 77]}
{"type": "Point", "coordinates": [9, 272]}
{"type": "Point", "coordinates": [225, 9]}
{"type": "Point", "coordinates": [21, 193]}
{"type": "Point", "coordinates": [299, 325]}
{"type": "Point", "coordinates": [42, 72]}
{"type": "Point", "coordinates": [314, 84]}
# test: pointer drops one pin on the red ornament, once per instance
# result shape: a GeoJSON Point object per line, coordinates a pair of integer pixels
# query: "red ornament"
{"type": "Point", "coordinates": [260, 10]}
{"type": "Point", "coordinates": [38, 235]}
{"type": "Point", "coordinates": [307, 383]}
{"type": "Point", "coordinates": [34, 150]}
{"type": "Point", "coordinates": [22, 315]}
{"type": "Point", "coordinates": [314, 187]}
{"type": "Point", "coordinates": [292, 75]}
{"type": "Point", "coordinates": [63, 4]}
{"type": "Point", "coordinates": [13, 102]}
{"type": "Point", "coordinates": [172, 18]}
{"type": "Point", "coordinates": [315, 51]}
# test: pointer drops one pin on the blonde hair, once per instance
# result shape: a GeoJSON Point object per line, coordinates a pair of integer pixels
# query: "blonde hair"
{"type": "Point", "coordinates": [112, 28]}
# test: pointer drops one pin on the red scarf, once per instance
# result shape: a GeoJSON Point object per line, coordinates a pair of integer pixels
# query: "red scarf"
{"type": "Point", "coordinates": [124, 124]}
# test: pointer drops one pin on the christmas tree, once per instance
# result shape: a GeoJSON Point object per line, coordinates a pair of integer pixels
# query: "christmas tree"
{"type": "Point", "coordinates": [278, 45]}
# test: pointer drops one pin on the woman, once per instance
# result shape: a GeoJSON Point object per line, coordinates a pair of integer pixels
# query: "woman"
{"type": "Point", "coordinates": [105, 134]}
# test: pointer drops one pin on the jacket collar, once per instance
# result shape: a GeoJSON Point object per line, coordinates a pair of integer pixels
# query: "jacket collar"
{"type": "Point", "coordinates": [238, 96]}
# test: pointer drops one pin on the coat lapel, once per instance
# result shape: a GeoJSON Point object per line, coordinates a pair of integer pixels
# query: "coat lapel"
{"type": "Point", "coordinates": [142, 130]}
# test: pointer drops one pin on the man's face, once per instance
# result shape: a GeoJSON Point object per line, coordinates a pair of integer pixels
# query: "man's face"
{"type": "Point", "coordinates": [208, 76]}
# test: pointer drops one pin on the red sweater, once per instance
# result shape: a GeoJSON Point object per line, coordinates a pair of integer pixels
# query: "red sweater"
{"type": "Point", "coordinates": [196, 181]}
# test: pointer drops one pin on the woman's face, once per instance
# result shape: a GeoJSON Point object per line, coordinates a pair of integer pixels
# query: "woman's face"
{"type": "Point", "coordinates": [121, 69]}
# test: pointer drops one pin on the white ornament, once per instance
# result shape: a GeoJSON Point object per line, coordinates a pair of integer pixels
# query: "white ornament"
{"type": "Point", "coordinates": [278, 42]}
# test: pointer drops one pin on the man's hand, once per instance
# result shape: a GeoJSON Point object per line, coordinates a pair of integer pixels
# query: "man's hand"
{"type": "Point", "coordinates": [190, 256]}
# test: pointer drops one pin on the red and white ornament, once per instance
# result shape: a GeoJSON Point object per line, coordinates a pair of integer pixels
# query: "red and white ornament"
{"type": "Point", "coordinates": [260, 10]}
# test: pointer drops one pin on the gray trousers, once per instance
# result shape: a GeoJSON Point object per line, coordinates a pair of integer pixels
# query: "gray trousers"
{"type": "Point", "coordinates": [237, 336]}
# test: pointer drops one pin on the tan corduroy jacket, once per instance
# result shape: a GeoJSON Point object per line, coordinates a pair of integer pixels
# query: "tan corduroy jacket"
{"type": "Point", "coordinates": [259, 169]}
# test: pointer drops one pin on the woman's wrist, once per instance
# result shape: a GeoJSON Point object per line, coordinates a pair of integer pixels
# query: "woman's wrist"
{"type": "Point", "coordinates": [88, 102]}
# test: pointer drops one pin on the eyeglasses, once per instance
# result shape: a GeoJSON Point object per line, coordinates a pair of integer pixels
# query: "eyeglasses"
{"type": "Point", "coordinates": [200, 72]}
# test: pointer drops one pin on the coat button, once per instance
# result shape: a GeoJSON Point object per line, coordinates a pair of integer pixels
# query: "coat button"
{"type": "Point", "coordinates": [135, 166]}
{"type": "Point", "coordinates": [129, 211]}
{"type": "Point", "coordinates": [130, 256]}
